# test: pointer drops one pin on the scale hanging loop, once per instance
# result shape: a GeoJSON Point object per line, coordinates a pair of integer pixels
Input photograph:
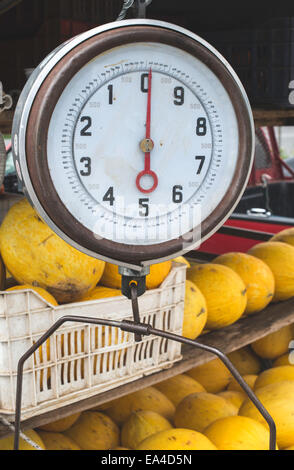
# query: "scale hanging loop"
{"type": "Point", "coordinates": [133, 285]}
{"type": "Point", "coordinates": [140, 8]}
{"type": "Point", "coordinates": [131, 278]}
{"type": "Point", "coordinates": [126, 5]}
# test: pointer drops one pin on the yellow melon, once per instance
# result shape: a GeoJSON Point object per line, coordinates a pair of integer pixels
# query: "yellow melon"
{"type": "Point", "coordinates": [4, 274]}
{"type": "Point", "coordinates": [285, 236]}
{"type": "Point", "coordinates": [274, 344]}
{"type": "Point", "coordinates": [224, 292]}
{"type": "Point", "coordinates": [158, 272]}
{"type": "Point", "coordinates": [60, 425]}
{"type": "Point", "coordinates": [233, 396]}
{"type": "Point", "coordinates": [177, 439]}
{"type": "Point", "coordinates": [42, 292]}
{"type": "Point", "coordinates": [182, 259]}
{"type": "Point", "coordinates": [94, 431]}
{"type": "Point", "coordinates": [111, 277]}
{"type": "Point", "coordinates": [57, 441]}
{"type": "Point", "coordinates": [250, 379]}
{"type": "Point", "coordinates": [245, 361]}
{"type": "Point", "coordinates": [35, 255]}
{"type": "Point", "coordinates": [100, 292]}
{"type": "Point", "coordinates": [279, 257]}
{"type": "Point", "coordinates": [147, 399]}
{"type": "Point", "coordinates": [276, 374]}
{"type": "Point", "coordinates": [102, 407]}
{"type": "Point", "coordinates": [238, 433]}
{"type": "Point", "coordinates": [120, 448]}
{"type": "Point", "coordinates": [140, 425]}
{"type": "Point", "coordinates": [198, 410]}
{"type": "Point", "coordinates": [178, 387]}
{"type": "Point", "coordinates": [7, 443]}
{"type": "Point", "coordinates": [102, 337]}
{"type": "Point", "coordinates": [277, 398]}
{"type": "Point", "coordinates": [214, 376]}
{"type": "Point", "coordinates": [256, 275]}
{"type": "Point", "coordinates": [49, 298]}
{"type": "Point", "coordinates": [195, 311]}
{"type": "Point", "coordinates": [286, 359]}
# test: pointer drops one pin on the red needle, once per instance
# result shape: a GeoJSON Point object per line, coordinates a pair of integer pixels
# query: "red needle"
{"type": "Point", "coordinates": [148, 119]}
{"type": "Point", "coordinates": [147, 145]}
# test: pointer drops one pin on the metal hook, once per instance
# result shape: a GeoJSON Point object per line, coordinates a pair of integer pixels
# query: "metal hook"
{"type": "Point", "coordinates": [140, 7]}
{"type": "Point", "coordinates": [135, 308]}
{"type": "Point", "coordinates": [126, 5]}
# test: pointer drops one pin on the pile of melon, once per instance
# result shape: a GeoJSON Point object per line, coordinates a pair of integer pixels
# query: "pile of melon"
{"type": "Point", "coordinates": [236, 284]}
{"type": "Point", "coordinates": [36, 257]}
{"type": "Point", "coordinates": [217, 293]}
{"type": "Point", "coordinates": [202, 409]}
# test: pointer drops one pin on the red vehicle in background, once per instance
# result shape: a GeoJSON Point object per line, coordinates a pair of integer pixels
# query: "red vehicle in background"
{"type": "Point", "coordinates": [267, 205]}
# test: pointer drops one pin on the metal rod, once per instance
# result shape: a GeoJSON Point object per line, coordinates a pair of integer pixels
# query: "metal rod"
{"type": "Point", "coordinates": [234, 372]}
{"type": "Point", "coordinates": [140, 329]}
{"type": "Point", "coordinates": [135, 308]}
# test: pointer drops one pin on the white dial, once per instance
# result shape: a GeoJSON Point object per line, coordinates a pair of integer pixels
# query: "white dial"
{"type": "Point", "coordinates": [97, 134]}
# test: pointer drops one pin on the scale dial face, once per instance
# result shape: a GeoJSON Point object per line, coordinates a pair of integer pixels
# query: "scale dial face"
{"type": "Point", "coordinates": [138, 143]}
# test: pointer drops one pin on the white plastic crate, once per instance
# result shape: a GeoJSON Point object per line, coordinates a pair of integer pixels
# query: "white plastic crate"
{"type": "Point", "coordinates": [84, 359]}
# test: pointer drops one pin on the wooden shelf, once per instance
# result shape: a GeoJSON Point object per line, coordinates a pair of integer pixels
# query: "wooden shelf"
{"type": "Point", "coordinates": [273, 117]}
{"type": "Point", "coordinates": [238, 335]}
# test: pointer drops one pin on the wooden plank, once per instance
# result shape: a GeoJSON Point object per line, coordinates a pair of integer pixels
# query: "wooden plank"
{"type": "Point", "coordinates": [241, 333]}
{"type": "Point", "coordinates": [273, 117]}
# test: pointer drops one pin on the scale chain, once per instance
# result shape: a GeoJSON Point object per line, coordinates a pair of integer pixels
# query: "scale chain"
{"type": "Point", "coordinates": [140, 8]}
{"type": "Point", "coordinates": [126, 5]}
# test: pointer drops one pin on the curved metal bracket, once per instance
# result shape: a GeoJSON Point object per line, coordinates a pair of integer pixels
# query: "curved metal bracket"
{"type": "Point", "coordinates": [137, 329]}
